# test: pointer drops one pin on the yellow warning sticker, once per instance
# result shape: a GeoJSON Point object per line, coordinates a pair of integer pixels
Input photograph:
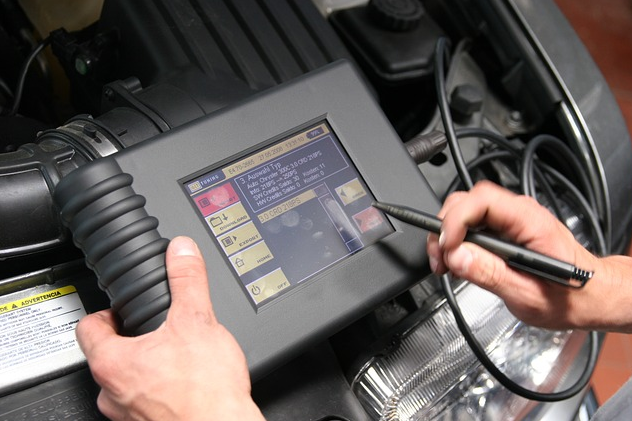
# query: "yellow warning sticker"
{"type": "Point", "coordinates": [37, 299]}
{"type": "Point", "coordinates": [40, 327]}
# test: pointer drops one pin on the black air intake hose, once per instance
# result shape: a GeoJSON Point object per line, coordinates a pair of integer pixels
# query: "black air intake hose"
{"type": "Point", "coordinates": [30, 223]}
{"type": "Point", "coordinates": [120, 240]}
{"type": "Point", "coordinates": [29, 220]}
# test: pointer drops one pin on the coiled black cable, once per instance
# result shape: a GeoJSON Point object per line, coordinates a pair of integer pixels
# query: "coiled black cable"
{"type": "Point", "coordinates": [562, 151]}
{"type": "Point", "coordinates": [514, 152]}
{"type": "Point", "coordinates": [528, 175]}
{"type": "Point", "coordinates": [586, 210]}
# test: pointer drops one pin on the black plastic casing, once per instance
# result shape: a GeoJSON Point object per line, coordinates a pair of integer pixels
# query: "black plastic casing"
{"type": "Point", "coordinates": [390, 57]}
{"type": "Point", "coordinates": [251, 44]}
{"type": "Point", "coordinates": [324, 304]}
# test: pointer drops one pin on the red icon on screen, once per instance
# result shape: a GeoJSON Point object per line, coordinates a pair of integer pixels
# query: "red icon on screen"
{"type": "Point", "coordinates": [368, 219]}
{"type": "Point", "coordinates": [217, 198]}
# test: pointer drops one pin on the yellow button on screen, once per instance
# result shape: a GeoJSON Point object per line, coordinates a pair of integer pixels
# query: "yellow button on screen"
{"type": "Point", "coordinates": [239, 238]}
{"type": "Point", "coordinates": [351, 191]}
{"type": "Point", "coordinates": [268, 285]}
{"type": "Point", "coordinates": [227, 219]}
{"type": "Point", "coordinates": [248, 259]}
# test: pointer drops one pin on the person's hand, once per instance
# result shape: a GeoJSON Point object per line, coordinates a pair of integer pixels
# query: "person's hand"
{"type": "Point", "coordinates": [602, 304]}
{"type": "Point", "coordinates": [190, 368]}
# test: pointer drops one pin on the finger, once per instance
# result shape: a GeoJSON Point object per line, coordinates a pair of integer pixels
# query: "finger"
{"type": "Point", "coordinates": [94, 330]}
{"type": "Point", "coordinates": [109, 407]}
{"type": "Point", "coordinates": [532, 300]}
{"type": "Point", "coordinates": [188, 281]}
{"type": "Point", "coordinates": [435, 255]}
{"type": "Point", "coordinates": [466, 210]}
{"type": "Point", "coordinates": [482, 268]}
{"type": "Point", "coordinates": [455, 213]}
{"type": "Point", "coordinates": [451, 201]}
{"type": "Point", "coordinates": [492, 206]}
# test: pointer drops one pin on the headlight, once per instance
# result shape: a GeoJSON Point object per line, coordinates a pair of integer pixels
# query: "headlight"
{"type": "Point", "coordinates": [432, 374]}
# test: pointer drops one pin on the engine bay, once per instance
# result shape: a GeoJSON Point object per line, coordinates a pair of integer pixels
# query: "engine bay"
{"type": "Point", "coordinates": [264, 130]}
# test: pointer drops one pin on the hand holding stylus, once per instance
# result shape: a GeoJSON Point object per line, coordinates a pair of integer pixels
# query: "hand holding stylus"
{"type": "Point", "coordinates": [516, 256]}
{"type": "Point", "coordinates": [602, 303]}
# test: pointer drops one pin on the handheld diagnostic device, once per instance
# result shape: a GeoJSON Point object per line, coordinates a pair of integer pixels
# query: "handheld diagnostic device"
{"type": "Point", "coordinates": [277, 192]}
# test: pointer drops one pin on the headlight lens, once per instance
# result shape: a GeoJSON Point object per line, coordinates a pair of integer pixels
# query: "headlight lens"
{"type": "Point", "coordinates": [432, 373]}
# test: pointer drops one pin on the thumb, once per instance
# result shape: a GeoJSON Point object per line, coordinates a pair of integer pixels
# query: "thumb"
{"type": "Point", "coordinates": [188, 281]}
{"type": "Point", "coordinates": [94, 330]}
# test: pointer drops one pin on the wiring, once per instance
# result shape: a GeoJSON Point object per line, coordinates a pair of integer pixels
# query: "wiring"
{"type": "Point", "coordinates": [587, 211]}
{"type": "Point", "coordinates": [5, 89]}
{"type": "Point", "coordinates": [17, 96]}
{"type": "Point", "coordinates": [563, 152]}
{"type": "Point", "coordinates": [446, 116]}
{"type": "Point", "coordinates": [514, 153]}
{"type": "Point", "coordinates": [534, 175]}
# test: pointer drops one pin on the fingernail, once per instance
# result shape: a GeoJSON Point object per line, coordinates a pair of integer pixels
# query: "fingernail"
{"type": "Point", "coordinates": [183, 246]}
{"type": "Point", "coordinates": [442, 239]}
{"type": "Point", "coordinates": [460, 260]}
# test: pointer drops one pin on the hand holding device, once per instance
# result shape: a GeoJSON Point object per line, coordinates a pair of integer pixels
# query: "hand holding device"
{"type": "Point", "coordinates": [516, 256]}
{"type": "Point", "coordinates": [190, 367]}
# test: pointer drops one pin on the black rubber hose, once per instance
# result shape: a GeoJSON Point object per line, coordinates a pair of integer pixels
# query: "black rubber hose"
{"type": "Point", "coordinates": [30, 221]}
{"type": "Point", "coordinates": [120, 241]}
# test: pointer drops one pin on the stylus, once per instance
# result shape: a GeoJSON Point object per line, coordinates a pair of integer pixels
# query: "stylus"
{"type": "Point", "coordinates": [516, 256]}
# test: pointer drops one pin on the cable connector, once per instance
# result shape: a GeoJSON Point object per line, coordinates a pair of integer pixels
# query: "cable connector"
{"type": "Point", "coordinates": [422, 147]}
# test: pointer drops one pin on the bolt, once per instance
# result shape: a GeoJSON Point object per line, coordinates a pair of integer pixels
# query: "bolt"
{"type": "Point", "coordinates": [109, 94]}
{"type": "Point", "coordinates": [515, 119]}
{"type": "Point", "coordinates": [465, 100]}
{"type": "Point", "coordinates": [90, 131]}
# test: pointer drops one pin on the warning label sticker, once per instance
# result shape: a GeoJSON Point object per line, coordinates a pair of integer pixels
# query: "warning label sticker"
{"type": "Point", "coordinates": [39, 326]}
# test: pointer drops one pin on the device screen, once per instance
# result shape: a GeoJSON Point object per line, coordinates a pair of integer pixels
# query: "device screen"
{"type": "Point", "coordinates": [287, 212]}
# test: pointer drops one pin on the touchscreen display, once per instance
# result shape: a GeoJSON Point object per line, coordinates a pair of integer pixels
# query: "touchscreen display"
{"type": "Point", "coordinates": [287, 212]}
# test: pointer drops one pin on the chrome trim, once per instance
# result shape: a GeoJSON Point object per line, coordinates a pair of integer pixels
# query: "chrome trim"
{"type": "Point", "coordinates": [577, 124]}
